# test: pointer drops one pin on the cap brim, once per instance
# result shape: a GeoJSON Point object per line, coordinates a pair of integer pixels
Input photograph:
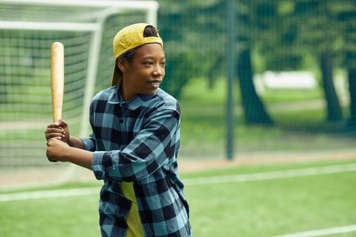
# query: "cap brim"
{"type": "Point", "coordinates": [115, 77]}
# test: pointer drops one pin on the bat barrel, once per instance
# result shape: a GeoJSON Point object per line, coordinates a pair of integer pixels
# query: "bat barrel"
{"type": "Point", "coordinates": [57, 79]}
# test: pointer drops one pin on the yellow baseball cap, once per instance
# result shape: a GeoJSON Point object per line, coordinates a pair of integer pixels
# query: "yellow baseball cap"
{"type": "Point", "coordinates": [130, 37]}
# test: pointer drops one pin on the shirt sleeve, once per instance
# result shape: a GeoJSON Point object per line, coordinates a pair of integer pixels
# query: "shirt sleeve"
{"type": "Point", "coordinates": [89, 143]}
{"type": "Point", "coordinates": [152, 148]}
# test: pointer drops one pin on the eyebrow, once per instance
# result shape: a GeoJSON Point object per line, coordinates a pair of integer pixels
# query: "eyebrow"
{"type": "Point", "coordinates": [152, 57]}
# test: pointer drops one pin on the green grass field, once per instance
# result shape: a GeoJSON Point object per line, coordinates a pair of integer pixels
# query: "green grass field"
{"type": "Point", "coordinates": [250, 200]}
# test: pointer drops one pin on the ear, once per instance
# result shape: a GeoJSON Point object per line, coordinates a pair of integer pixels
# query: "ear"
{"type": "Point", "coordinates": [122, 65]}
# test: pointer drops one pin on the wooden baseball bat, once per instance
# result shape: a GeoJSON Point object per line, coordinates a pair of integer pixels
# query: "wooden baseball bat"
{"type": "Point", "coordinates": [57, 79]}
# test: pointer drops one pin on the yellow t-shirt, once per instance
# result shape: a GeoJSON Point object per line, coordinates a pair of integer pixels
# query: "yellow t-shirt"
{"type": "Point", "coordinates": [133, 219]}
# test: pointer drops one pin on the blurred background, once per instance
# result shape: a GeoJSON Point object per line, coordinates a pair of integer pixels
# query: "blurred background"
{"type": "Point", "coordinates": [254, 78]}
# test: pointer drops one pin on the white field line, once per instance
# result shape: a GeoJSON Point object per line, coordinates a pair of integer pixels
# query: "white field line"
{"type": "Point", "coordinates": [48, 194]}
{"type": "Point", "coordinates": [271, 175]}
{"type": "Point", "coordinates": [192, 181]}
{"type": "Point", "coordinates": [323, 232]}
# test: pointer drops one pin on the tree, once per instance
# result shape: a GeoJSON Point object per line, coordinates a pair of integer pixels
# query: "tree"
{"type": "Point", "coordinates": [253, 107]}
{"type": "Point", "coordinates": [281, 33]}
{"type": "Point", "coordinates": [254, 110]}
{"type": "Point", "coordinates": [187, 28]}
{"type": "Point", "coordinates": [320, 35]}
{"type": "Point", "coordinates": [347, 16]}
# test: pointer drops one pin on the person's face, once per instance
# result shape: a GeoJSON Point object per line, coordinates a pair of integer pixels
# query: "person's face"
{"type": "Point", "coordinates": [145, 72]}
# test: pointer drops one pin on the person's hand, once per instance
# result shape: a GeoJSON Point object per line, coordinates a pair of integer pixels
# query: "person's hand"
{"type": "Point", "coordinates": [56, 150]}
{"type": "Point", "coordinates": [59, 130]}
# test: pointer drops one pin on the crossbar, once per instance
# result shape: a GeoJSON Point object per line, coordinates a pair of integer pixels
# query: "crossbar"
{"type": "Point", "coordinates": [47, 26]}
{"type": "Point", "coordinates": [87, 3]}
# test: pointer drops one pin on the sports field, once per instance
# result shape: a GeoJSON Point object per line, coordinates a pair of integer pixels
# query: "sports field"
{"type": "Point", "coordinates": [286, 199]}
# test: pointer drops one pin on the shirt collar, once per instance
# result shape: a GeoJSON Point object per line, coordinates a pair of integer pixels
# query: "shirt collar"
{"type": "Point", "coordinates": [116, 98]}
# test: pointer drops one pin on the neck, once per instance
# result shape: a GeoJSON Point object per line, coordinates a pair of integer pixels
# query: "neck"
{"type": "Point", "coordinates": [126, 95]}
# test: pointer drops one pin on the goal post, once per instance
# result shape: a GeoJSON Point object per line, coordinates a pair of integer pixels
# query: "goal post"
{"type": "Point", "coordinates": [27, 28]}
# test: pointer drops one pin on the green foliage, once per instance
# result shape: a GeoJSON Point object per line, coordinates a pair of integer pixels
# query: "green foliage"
{"type": "Point", "coordinates": [283, 34]}
{"type": "Point", "coordinates": [176, 76]}
{"type": "Point", "coordinates": [194, 38]}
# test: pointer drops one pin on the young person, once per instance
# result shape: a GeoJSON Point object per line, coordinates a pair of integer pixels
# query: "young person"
{"type": "Point", "coordinates": [134, 143]}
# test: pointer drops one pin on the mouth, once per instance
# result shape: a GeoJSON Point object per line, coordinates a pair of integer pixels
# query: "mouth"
{"type": "Point", "coordinates": [154, 84]}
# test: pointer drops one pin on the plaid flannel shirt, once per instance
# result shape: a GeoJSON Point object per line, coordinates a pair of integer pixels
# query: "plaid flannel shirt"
{"type": "Point", "coordinates": [138, 141]}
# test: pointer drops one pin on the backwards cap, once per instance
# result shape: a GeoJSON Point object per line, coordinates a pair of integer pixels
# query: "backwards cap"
{"type": "Point", "coordinates": [128, 38]}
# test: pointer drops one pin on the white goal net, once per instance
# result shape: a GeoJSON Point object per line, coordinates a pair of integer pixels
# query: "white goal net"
{"type": "Point", "coordinates": [27, 29]}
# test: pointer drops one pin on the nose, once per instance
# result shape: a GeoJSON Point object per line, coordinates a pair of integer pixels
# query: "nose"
{"type": "Point", "coordinates": [158, 69]}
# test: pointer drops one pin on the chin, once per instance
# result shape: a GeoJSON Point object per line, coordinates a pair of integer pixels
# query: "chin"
{"type": "Point", "coordinates": [152, 90]}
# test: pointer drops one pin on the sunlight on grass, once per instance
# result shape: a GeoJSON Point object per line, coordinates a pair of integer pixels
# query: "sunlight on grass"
{"type": "Point", "coordinates": [265, 207]}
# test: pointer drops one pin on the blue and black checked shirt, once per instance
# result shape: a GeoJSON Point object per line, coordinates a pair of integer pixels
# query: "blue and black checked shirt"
{"type": "Point", "coordinates": [138, 141]}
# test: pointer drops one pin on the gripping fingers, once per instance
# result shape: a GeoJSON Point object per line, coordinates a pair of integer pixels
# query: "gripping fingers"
{"type": "Point", "coordinates": [55, 132]}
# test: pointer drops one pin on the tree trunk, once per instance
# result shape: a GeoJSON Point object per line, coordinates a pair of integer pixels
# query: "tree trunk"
{"type": "Point", "coordinates": [254, 110]}
{"type": "Point", "coordinates": [212, 71]}
{"type": "Point", "coordinates": [333, 108]}
{"type": "Point", "coordinates": [352, 93]}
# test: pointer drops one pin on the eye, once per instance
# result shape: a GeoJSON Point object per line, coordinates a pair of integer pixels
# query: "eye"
{"type": "Point", "coordinates": [147, 63]}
